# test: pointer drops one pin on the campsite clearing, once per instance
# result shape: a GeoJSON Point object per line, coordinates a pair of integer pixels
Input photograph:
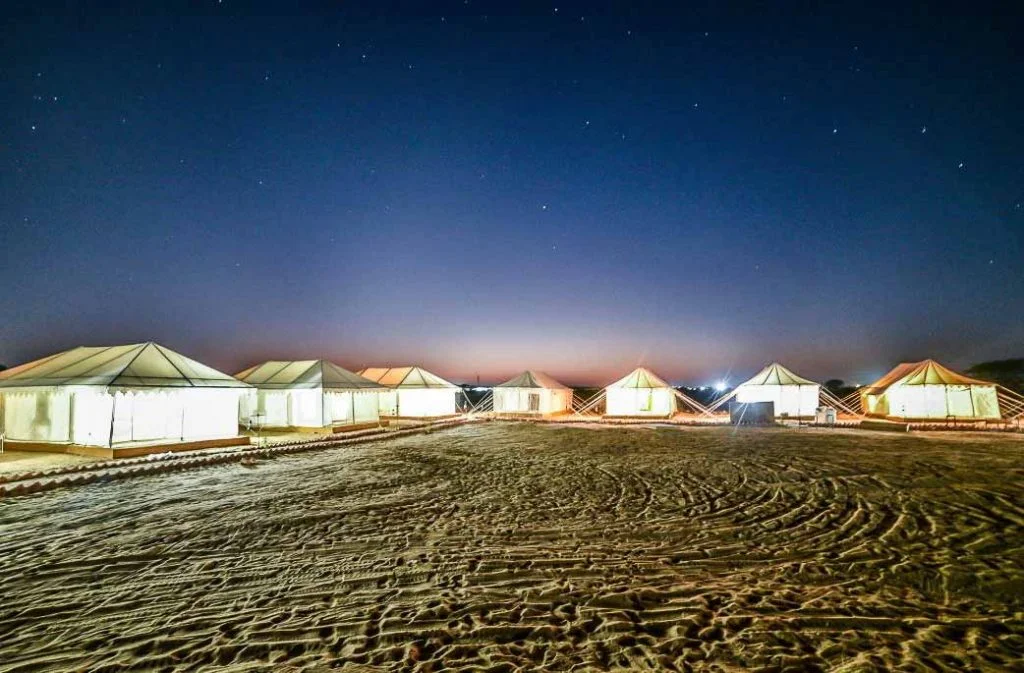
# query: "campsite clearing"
{"type": "Point", "coordinates": [543, 547]}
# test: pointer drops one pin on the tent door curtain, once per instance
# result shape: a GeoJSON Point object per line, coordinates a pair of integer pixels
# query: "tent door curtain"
{"type": "Point", "coordinates": [533, 400]}
{"type": "Point", "coordinates": [42, 416]}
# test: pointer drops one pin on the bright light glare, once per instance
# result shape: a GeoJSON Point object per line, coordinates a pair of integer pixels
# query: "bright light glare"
{"type": "Point", "coordinates": [720, 386]}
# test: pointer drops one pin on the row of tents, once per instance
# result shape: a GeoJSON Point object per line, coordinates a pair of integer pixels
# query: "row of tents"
{"type": "Point", "coordinates": [147, 393]}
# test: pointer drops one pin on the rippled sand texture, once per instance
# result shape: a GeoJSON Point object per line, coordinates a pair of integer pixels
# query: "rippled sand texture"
{"type": "Point", "coordinates": [536, 548]}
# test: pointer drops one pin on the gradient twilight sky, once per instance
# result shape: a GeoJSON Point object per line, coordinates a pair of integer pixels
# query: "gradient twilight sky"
{"type": "Point", "coordinates": [485, 186]}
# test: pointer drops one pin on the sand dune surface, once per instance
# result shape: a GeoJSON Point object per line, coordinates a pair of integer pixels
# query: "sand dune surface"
{"type": "Point", "coordinates": [506, 547]}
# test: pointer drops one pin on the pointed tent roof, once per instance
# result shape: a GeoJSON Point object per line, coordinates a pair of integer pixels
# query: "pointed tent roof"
{"type": "Point", "coordinates": [777, 375]}
{"type": "Point", "coordinates": [145, 365]}
{"type": "Point", "coordinates": [925, 372]}
{"type": "Point", "coordinates": [405, 377]}
{"type": "Point", "coordinates": [641, 377]}
{"type": "Point", "coordinates": [282, 374]}
{"type": "Point", "coordinates": [532, 379]}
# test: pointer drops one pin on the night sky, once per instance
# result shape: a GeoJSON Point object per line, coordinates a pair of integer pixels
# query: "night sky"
{"type": "Point", "coordinates": [567, 186]}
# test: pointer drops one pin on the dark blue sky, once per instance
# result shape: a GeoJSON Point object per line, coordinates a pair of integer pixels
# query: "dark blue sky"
{"type": "Point", "coordinates": [483, 189]}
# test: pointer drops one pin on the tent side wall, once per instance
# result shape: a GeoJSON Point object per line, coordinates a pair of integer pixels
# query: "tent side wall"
{"type": "Point", "coordinates": [37, 415]}
{"type": "Point", "coordinates": [426, 402]}
{"type": "Point", "coordinates": [640, 402]}
{"type": "Point", "coordinates": [936, 401]}
{"type": "Point", "coordinates": [181, 414]}
{"type": "Point", "coordinates": [557, 401]}
{"type": "Point", "coordinates": [349, 407]}
{"type": "Point", "coordinates": [798, 401]}
{"type": "Point", "coordinates": [518, 400]}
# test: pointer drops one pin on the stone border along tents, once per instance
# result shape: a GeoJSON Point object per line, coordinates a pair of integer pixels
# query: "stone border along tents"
{"type": "Point", "coordinates": [37, 482]}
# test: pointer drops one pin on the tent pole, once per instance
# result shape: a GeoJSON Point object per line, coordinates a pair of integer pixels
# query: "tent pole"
{"type": "Point", "coordinates": [113, 415]}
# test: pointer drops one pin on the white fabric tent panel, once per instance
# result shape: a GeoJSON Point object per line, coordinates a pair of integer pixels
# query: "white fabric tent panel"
{"type": "Point", "coordinates": [210, 413]}
{"type": "Point", "coordinates": [941, 401]}
{"type": "Point", "coordinates": [273, 407]}
{"type": "Point", "coordinates": [789, 400]}
{"type": "Point", "coordinates": [338, 407]}
{"type": "Point", "coordinates": [959, 401]}
{"type": "Point", "coordinates": [518, 400]}
{"type": "Point", "coordinates": [986, 402]}
{"type": "Point", "coordinates": [38, 416]}
{"type": "Point", "coordinates": [306, 408]}
{"type": "Point", "coordinates": [426, 402]}
{"type": "Point", "coordinates": [91, 417]}
{"type": "Point", "coordinates": [366, 406]}
{"type": "Point", "coordinates": [352, 407]}
{"type": "Point", "coordinates": [388, 403]}
{"type": "Point", "coordinates": [156, 415]}
{"type": "Point", "coordinates": [347, 408]}
{"type": "Point", "coordinates": [639, 402]}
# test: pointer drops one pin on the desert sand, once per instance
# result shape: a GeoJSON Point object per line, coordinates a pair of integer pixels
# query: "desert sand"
{"type": "Point", "coordinates": [508, 547]}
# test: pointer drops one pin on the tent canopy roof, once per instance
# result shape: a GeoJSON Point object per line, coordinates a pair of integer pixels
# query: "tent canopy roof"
{"type": "Point", "coordinates": [532, 379]}
{"type": "Point", "coordinates": [641, 377]}
{"type": "Point", "coordinates": [777, 375]}
{"type": "Point", "coordinates": [925, 372]}
{"type": "Point", "coordinates": [405, 377]}
{"type": "Point", "coordinates": [283, 374]}
{"type": "Point", "coordinates": [144, 365]}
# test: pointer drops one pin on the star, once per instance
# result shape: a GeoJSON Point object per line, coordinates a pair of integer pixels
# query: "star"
{"type": "Point", "coordinates": [835, 131]}
{"type": "Point", "coordinates": [544, 207]}
{"type": "Point", "coordinates": [960, 165]}
{"type": "Point", "coordinates": [924, 129]}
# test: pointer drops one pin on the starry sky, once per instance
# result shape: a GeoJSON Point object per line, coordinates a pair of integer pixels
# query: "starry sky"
{"type": "Point", "coordinates": [483, 186]}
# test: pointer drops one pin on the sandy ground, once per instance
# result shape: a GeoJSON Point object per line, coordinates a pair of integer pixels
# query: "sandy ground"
{"type": "Point", "coordinates": [12, 462]}
{"type": "Point", "coordinates": [535, 547]}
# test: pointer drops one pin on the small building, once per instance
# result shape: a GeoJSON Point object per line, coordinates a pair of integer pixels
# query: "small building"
{"type": "Point", "coordinates": [640, 393]}
{"type": "Point", "coordinates": [308, 394]}
{"type": "Point", "coordinates": [793, 396]}
{"type": "Point", "coordinates": [926, 390]}
{"type": "Point", "coordinates": [413, 392]}
{"type": "Point", "coordinates": [532, 393]}
{"type": "Point", "coordinates": [122, 399]}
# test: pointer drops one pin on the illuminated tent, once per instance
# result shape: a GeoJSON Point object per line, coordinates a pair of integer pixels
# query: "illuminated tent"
{"type": "Point", "coordinates": [414, 392]}
{"type": "Point", "coordinates": [926, 389]}
{"type": "Point", "coordinates": [532, 393]}
{"type": "Point", "coordinates": [792, 395]}
{"type": "Point", "coordinates": [110, 395]}
{"type": "Point", "coordinates": [308, 393]}
{"type": "Point", "coordinates": [640, 393]}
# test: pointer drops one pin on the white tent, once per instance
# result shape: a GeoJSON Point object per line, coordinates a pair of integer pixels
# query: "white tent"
{"type": "Point", "coordinates": [532, 393]}
{"type": "Point", "coordinates": [414, 392]}
{"type": "Point", "coordinates": [308, 393]}
{"type": "Point", "coordinates": [110, 395]}
{"type": "Point", "coordinates": [792, 395]}
{"type": "Point", "coordinates": [927, 390]}
{"type": "Point", "coordinates": [640, 393]}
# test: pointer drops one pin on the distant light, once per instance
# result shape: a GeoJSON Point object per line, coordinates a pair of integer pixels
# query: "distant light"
{"type": "Point", "coordinates": [721, 385]}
